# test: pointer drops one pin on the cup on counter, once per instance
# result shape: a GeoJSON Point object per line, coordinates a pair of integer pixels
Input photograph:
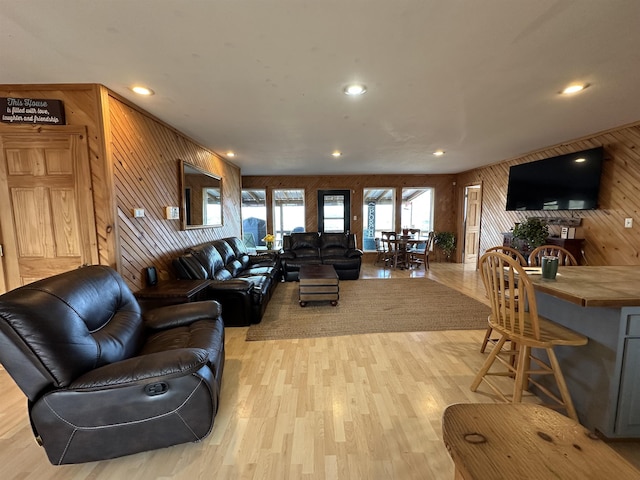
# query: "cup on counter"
{"type": "Point", "coordinates": [549, 267]}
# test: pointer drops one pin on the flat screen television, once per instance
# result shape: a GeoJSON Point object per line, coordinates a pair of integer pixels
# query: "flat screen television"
{"type": "Point", "coordinates": [565, 182]}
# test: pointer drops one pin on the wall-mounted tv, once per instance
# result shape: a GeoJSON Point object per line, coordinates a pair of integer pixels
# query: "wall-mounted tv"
{"type": "Point", "coordinates": [565, 182]}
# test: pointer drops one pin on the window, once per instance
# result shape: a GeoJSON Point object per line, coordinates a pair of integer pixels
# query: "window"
{"type": "Point", "coordinates": [254, 217]}
{"type": "Point", "coordinates": [378, 214]}
{"type": "Point", "coordinates": [288, 213]}
{"type": "Point", "coordinates": [417, 209]}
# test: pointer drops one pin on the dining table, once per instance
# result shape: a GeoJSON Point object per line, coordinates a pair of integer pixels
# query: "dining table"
{"type": "Point", "coordinates": [402, 245]}
{"type": "Point", "coordinates": [603, 376]}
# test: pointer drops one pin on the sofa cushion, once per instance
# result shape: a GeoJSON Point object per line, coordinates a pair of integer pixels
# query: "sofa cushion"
{"type": "Point", "coordinates": [305, 244]}
{"type": "Point", "coordinates": [240, 250]}
{"type": "Point", "coordinates": [209, 257]}
{"type": "Point", "coordinates": [229, 259]}
{"type": "Point", "coordinates": [334, 245]}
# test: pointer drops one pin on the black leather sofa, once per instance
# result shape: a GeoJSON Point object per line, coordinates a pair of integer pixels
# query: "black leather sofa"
{"type": "Point", "coordinates": [243, 284]}
{"type": "Point", "coordinates": [309, 248]}
{"type": "Point", "coordinates": [104, 380]}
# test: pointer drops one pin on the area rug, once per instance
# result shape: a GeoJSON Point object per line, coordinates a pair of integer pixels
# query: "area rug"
{"type": "Point", "coordinates": [370, 306]}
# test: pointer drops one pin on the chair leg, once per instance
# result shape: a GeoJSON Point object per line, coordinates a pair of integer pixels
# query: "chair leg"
{"type": "Point", "coordinates": [487, 334]}
{"type": "Point", "coordinates": [521, 373]}
{"type": "Point", "coordinates": [487, 364]}
{"type": "Point", "coordinates": [562, 385]}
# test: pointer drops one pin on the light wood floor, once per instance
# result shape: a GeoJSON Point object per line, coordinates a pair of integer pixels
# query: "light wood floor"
{"type": "Point", "coordinates": [352, 407]}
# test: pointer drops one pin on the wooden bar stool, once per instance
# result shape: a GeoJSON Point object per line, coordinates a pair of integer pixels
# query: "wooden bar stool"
{"type": "Point", "coordinates": [515, 254]}
{"type": "Point", "coordinates": [518, 322]}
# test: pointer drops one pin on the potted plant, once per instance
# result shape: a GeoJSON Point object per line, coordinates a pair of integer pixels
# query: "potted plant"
{"type": "Point", "coordinates": [534, 231]}
{"type": "Point", "coordinates": [446, 242]}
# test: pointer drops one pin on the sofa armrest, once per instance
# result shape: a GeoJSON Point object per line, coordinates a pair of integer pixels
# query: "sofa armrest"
{"type": "Point", "coordinates": [235, 296]}
{"type": "Point", "coordinates": [354, 252]}
{"type": "Point", "coordinates": [287, 255]}
{"type": "Point", "coordinates": [171, 363]}
{"type": "Point", "coordinates": [263, 257]}
{"type": "Point", "coordinates": [233, 285]}
{"type": "Point", "coordinates": [183, 314]}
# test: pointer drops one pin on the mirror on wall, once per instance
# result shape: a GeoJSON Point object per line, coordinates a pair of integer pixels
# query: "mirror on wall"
{"type": "Point", "coordinates": [201, 197]}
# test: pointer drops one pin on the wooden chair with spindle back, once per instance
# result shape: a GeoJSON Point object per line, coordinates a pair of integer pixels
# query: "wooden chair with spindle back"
{"type": "Point", "coordinates": [518, 321]}
{"type": "Point", "coordinates": [512, 252]}
{"type": "Point", "coordinates": [515, 254]}
{"type": "Point", "coordinates": [565, 257]}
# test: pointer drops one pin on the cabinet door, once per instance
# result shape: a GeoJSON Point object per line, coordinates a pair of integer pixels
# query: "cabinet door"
{"type": "Point", "coordinates": [628, 416]}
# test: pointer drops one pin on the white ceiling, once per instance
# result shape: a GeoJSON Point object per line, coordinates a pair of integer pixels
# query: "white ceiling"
{"type": "Point", "coordinates": [264, 78]}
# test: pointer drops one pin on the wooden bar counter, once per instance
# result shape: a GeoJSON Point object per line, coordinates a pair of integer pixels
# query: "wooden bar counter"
{"type": "Point", "coordinates": [594, 286]}
{"type": "Point", "coordinates": [602, 303]}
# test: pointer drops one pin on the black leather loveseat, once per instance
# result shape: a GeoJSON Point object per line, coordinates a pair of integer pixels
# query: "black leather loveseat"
{"type": "Point", "coordinates": [309, 248]}
{"type": "Point", "coordinates": [243, 284]}
{"type": "Point", "coordinates": [103, 379]}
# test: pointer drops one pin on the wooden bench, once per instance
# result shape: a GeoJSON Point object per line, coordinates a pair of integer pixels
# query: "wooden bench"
{"type": "Point", "coordinates": [526, 441]}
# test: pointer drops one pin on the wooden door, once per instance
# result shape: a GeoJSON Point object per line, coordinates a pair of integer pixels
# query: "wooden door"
{"type": "Point", "coordinates": [46, 208]}
{"type": "Point", "coordinates": [473, 203]}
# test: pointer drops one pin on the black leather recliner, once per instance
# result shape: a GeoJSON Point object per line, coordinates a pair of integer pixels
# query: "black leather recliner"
{"type": "Point", "coordinates": [313, 248]}
{"type": "Point", "coordinates": [102, 379]}
{"type": "Point", "coordinates": [339, 250]}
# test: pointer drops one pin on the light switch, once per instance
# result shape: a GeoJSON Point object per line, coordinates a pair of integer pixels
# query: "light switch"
{"type": "Point", "coordinates": [628, 222]}
{"type": "Point", "coordinates": [172, 213]}
{"type": "Point", "coordinates": [138, 212]}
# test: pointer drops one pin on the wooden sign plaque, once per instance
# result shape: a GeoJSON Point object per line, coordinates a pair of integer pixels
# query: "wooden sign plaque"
{"type": "Point", "coordinates": [40, 111]}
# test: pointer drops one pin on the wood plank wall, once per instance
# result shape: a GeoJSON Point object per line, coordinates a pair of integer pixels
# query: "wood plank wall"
{"type": "Point", "coordinates": [607, 242]}
{"type": "Point", "coordinates": [146, 154]}
{"type": "Point", "coordinates": [444, 195]}
{"type": "Point", "coordinates": [83, 107]}
{"type": "Point", "coordinates": [134, 163]}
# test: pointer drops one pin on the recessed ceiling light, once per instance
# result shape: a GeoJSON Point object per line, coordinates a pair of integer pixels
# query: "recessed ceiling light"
{"type": "Point", "coordinates": [336, 154]}
{"type": "Point", "coordinates": [140, 90]}
{"type": "Point", "coordinates": [231, 154]}
{"type": "Point", "coordinates": [355, 89]}
{"type": "Point", "coordinates": [574, 88]}
{"type": "Point", "coordinates": [438, 153]}
{"type": "Point", "coordinates": [580, 160]}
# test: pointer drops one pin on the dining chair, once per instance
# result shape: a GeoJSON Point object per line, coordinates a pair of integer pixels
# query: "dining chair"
{"type": "Point", "coordinates": [565, 257]}
{"type": "Point", "coordinates": [419, 255]}
{"type": "Point", "coordinates": [380, 251]}
{"type": "Point", "coordinates": [512, 252]}
{"type": "Point", "coordinates": [518, 321]}
{"type": "Point", "coordinates": [410, 247]}
{"type": "Point", "coordinates": [515, 254]}
{"type": "Point", "coordinates": [414, 233]}
{"type": "Point", "coordinates": [390, 248]}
